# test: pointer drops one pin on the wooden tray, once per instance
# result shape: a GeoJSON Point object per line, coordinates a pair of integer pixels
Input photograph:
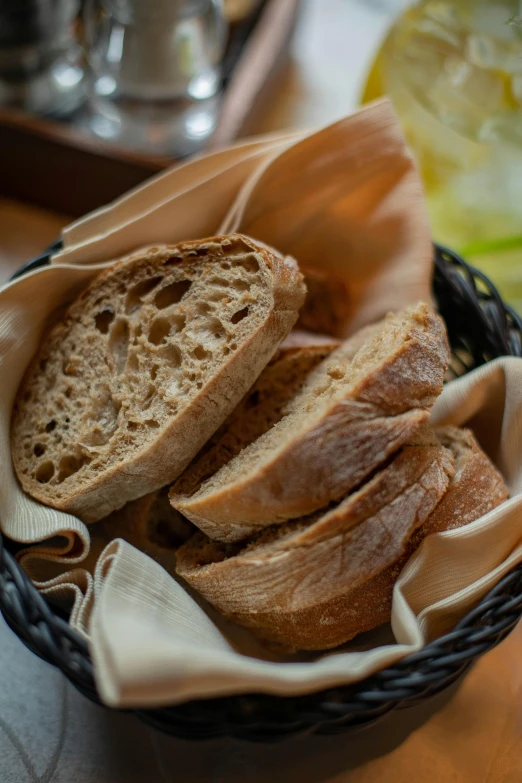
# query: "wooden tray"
{"type": "Point", "coordinates": [58, 167]}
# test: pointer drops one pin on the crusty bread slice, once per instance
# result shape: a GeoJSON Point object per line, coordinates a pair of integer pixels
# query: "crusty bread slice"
{"type": "Point", "coordinates": [149, 523]}
{"type": "Point", "coordinates": [145, 366]}
{"type": "Point", "coordinates": [290, 583]}
{"type": "Point", "coordinates": [262, 407]}
{"type": "Point", "coordinates": [358, 407]}
{"type": "Point", "coordinates": [476, 488]}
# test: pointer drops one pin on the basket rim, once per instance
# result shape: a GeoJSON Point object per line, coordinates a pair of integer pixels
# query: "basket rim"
{"type": "Point", "coordinates": [265, 717]}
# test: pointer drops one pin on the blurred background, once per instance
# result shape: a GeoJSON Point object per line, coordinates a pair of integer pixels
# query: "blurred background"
{"type": "Point", "coordinates": [107, 92]}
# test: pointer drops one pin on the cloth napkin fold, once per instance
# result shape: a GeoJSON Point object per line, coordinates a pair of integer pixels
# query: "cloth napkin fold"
{"type": "Point", "coordinates": [346, 201]}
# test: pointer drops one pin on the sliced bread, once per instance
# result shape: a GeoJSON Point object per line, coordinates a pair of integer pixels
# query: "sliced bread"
{"type": "Point", "coordinates": [145, 366]}
{"type": "Point", "coordinates": [475, 488]}
{"type": "Point", "coordinates": [262, 406]}
{"type": "Point", "coordinates": [354, 410]}
{"type": "Point", "coordinates": [290, 583]}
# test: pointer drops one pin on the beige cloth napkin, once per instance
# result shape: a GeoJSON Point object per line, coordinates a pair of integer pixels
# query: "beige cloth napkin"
{"type": "Point", "coordinates": [317, 197]}
{"type": "Point", "coordinates": [346, 201]}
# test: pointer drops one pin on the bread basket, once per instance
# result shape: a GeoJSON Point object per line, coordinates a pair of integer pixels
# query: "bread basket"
{"type": "Point", "coordinates": [481, 327]}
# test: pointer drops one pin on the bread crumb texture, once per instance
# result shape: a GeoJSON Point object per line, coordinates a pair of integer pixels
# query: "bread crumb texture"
{"type": "Point", "coordinates": [140, 346]}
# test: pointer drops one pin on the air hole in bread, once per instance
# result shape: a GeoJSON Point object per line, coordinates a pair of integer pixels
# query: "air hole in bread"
{"type": "Point", "coordinates": [70, 367]}
{"type": "Point", "coordinates": [172, 261]}
{"type": "Point", "coordinates": [149, 396]}
{"type": "Point", "coordinates": [171, 294]}
{"type": "Point", "coordinates": [119, 344]}
{"type": "Point", "coordinates": [250, 264]}
{"type": "Point", "coordinates": [44, 472]}
{"type": "Point", "coordinates": [69, 465]}
{"type": "Point", "coordinates": [200, 353]}
{"type": "Point", "coordinates": [39, 449]}
{"type": "Point", "coordinates": [135, 295]}
{"type": "Point", "coordinates": [104, 319]}
{"type": "Point", "coordinates": [237, 317]}
{"type": "Point", "coordinates": [202, 308]}
{"type": "Point", "coordinates": [159, 331]}
{"type": "Point", "coordinates": [151, 423]}
{"type": "Point", "coordinates": [241, 285]}
{"type": "Point", "coordinates": [233, 346]}
{"type": "Point", "coordinates": [43, 365]}
{"type": "Point", "coordinates": [218, 281]}
{"type": "Point", "coordinates": [154, 372]}
{"type": "Point", "coordinates": [173, 355]}
{"type": "Point", "coordinates": [336, 372]}
{"type": "Point", "coordinates": [68, 392]}
{"type": "Point", "coordinates": [133, 364]}
{"type": "Point", "coordinates": [133, 426]}
{"type": "Point", "coordinates": [217, 296]}
{"type": "Point", "coordinates": [178, 322]}
{"type": "Point", "coordinates": [50, 426]}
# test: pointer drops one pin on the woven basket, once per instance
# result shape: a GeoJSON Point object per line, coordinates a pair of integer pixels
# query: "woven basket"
{"type": "Point", "coordinates": [481, 327]}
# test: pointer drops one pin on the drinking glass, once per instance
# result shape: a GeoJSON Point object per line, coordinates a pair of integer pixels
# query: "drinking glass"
{"type": "Point", "coordinates": [155, 71]}
{"type": "Point", "coordinates": [454, 73]}
{"type": "Point", "coordinates": [41, 67]}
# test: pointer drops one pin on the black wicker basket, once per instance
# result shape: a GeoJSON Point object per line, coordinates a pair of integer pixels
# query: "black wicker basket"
{"type": "Point", "coordinates": [481, 327]}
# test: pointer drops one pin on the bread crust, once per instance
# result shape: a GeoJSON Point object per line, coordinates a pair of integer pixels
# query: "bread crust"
{"type": "Point", "coordinates": [475, 489]}
{"type": "Point", "coordinates": [326, 456]}
{"type": "Point", "coordinates": [295, 590]}
{"type": "Point", "coordinates": [163, 457]}
{"type": "Point", "coordinates": [261, 407]}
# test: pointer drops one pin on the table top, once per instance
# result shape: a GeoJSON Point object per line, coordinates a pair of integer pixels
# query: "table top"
{"type": "Point", "coordinates": [50, 734]}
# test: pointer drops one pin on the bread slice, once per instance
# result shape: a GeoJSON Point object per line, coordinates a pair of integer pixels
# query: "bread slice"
{"type": "Point", "coordinates": [476, 488]}
{"type": "Point", "coordinates": [149, 523]}
{"type": "Point", "coordinates": [145, 366]}
{"type": "Point", "coordinates": [358, 407]}
{"type": "Point", "coordinates": [262, 407]}
{"type": "Point", "coordinates": [291, 583]}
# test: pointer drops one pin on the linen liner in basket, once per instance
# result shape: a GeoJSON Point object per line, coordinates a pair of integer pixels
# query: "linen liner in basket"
{"type": "Point", "coordinates": [345, 201]}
